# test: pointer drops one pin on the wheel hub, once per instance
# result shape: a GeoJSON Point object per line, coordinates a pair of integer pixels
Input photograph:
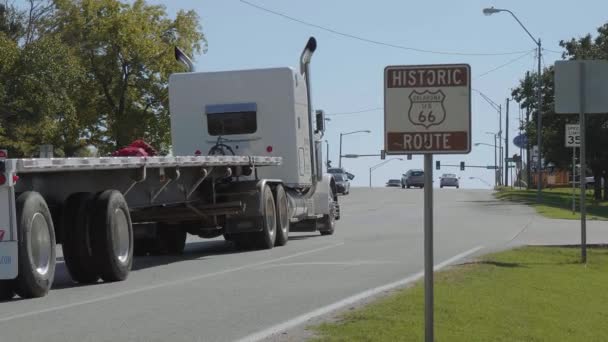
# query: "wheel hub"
{"type": "Point", "coordinates": [40, 245]}
{"type": "Point", "coordinates": [121, 242]}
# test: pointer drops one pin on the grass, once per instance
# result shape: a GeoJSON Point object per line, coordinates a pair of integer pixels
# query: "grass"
{"type": "Point", "coordinates": [526, 294]}
{"type": "Point", "coordinates": [557, 203]}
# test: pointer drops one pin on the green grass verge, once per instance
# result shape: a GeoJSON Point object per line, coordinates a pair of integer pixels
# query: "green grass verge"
{"type": "Point", "coordinates": [526, 294]}
{"type": "Point", "coordinates": [557, 203]}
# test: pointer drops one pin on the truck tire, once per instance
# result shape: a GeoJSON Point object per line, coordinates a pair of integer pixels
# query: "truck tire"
{"type": "Point", "coordinates": [328, 222]}
{"type": "Point", "coordinates": [265, 239]}
{"type": "Point", "coordinates": [76, 245]}
{"type": "Point", "coordinates": [6, 290]}
{"type": "Point", "coordinates": [36, 246]}
{"type": "Point", "coordinates": [171, 239]}
{"type": "Point", "coordinates": [282, 210]}
{"type": "Point", "coordinates": [112, 236]}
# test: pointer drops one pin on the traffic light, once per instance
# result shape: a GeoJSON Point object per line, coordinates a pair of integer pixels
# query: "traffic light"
{"type": "Point", "coordinates": [437, 165]}
{"type": "Point", "coordinates": [461, 166]}
{"type": "Point", "coordinates": [382, 154]}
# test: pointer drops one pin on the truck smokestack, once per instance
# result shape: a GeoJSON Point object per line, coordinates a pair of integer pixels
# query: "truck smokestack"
{"type": "Point", "coordinates": [305, 58]}
{"type": "Point", "coordinates": [306, 55]}
{"type": "Point", "coordinates": [180, 56]}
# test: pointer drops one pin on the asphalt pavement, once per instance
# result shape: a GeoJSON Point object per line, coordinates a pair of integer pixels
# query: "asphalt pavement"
{"type": "Point", "coordinates": [215, 293]}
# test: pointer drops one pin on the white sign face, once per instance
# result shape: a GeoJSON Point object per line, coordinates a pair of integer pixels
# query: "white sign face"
{"type": "Point", "coordinates": [427, 109]}
{"type": "Point", "coordinates": [573, 135]}
{"type": "Point", "coordinates": [568, 83]}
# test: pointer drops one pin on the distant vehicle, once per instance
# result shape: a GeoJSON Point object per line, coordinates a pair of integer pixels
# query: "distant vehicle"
{"type": "Point", "coordinates": [413, 177]}
{"type": "Point", "coordinates": [340, 170]}
{"type": "Point", "coordinates": [449, 179]}
{"type": "Point", "coordinates": [393, 183]}
{"type": "Point", "coordinates": [342, 183]}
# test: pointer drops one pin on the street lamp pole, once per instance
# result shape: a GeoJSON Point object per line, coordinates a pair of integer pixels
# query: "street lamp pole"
{"type": "Point", "coordinates": [507, 145]}
{"type": "Point", "coordinates": [340, 157]}
{"type": "Point", "coordinates": [498, 109]}
{"type": "Point", "coordinates": [343, 134]}
{"type": "Point", "coordinates": [377, 166]}
{"type": "Point", "coordinates": [495, 163]}
{"type": "Point", "coordinates": [539, 121]}
{"type": "Point", "coordinates": [327, 154]}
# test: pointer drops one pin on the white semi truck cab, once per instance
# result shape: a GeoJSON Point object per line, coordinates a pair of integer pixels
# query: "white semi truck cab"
{"type": "Point", "coordinates": [247, 167]}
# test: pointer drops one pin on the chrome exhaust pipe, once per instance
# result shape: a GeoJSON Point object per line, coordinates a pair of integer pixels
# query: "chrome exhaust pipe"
{"type": "Point", "coordinates": [180, 56]}
{"type": "Point", "coordinates": [305, 58]}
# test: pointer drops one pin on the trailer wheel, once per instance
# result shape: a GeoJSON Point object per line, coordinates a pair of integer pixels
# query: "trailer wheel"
{"type": "Point", "coordinates": [265, 239]}
{"type": "Point", "coordinates": [112, 236]}
{"type": "Point", "coordinates": [281, 207]}
{"type": "Point", "coordinates": [36, 246]}
{"type": "Point", "coordinates": [76, 244]}
{"type": "Point", "coordinates": [6, 290]}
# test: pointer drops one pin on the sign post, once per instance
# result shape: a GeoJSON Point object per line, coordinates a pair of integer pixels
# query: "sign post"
{"type": "Point", "coordinates": [427, 110]}
{"type": "Point", "coordinates": [580, 87]}
{"type": "Point", "coordinates": [573, 139]}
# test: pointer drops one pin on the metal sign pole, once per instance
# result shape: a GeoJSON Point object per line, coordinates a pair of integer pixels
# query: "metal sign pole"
{"type": "Point", "coordinates": [573, 180]}
{"type": "Point", "coordinates": [583, 164]}
{"type": "Point", "coordinates": [428, 247]}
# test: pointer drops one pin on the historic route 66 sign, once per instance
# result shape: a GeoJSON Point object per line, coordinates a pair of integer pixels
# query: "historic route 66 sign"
{"type": "Point", "coordinates": [427, 109]}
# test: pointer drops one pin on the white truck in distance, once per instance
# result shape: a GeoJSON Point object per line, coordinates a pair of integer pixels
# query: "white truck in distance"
{"type": "Point", "coordinates": [247, 166]}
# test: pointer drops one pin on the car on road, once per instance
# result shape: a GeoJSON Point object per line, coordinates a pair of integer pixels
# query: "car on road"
{"type": "Point", "coordinates": [340, 170]}
{"type": "Point", "coordinates": [393, 183]}
{"type": "Point", "coordinates": [414, 177]}
{"type": "Point", "coordinates": [342, 183]}
{"type": "Point", "coordinates": [449, 179]}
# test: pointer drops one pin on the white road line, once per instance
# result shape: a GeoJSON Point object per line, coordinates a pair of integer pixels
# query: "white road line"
{"type": "Point", "coordinates": [330, 263]}
{"type": "Point", "coordinates": [165, 284]}
{"type": "Point", "coordinates": [350, 300]}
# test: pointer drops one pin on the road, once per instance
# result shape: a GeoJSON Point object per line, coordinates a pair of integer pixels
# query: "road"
{"type": "Point", "coordinates": [214, 293]}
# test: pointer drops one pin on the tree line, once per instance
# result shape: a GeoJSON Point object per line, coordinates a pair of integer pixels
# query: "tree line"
{"type": "Point", "coordinates": [79, 73]}
{"type": "Point", "coordinates": [553, 125]}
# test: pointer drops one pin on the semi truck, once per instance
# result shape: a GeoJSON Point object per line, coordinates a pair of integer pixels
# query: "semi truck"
{"type": "Point", "coordinates": [246, 165]}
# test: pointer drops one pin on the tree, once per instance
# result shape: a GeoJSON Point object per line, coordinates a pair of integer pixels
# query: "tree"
{"type": "Point", "coordinates": [127, 50]}
{"type": "Point", "coordinates": [554, 124]}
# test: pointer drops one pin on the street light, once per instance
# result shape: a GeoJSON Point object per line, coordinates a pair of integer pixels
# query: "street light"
{"type": "Point", "coordinates": [498, 108]}
{"type": "Point", "coordinates": [348, 133]}
{"type": "Point", "coordinates": [377, 166]}
{"type": "Point", "coordinates": [327, 153]}
{"type": "Point", "coordinates": [496, 176]}
{"type": "Point", "coordinates": [539, 125]}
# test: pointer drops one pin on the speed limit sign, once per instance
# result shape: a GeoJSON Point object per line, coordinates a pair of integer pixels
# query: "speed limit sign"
{"type": "Point", "coordinates": [573, 135]}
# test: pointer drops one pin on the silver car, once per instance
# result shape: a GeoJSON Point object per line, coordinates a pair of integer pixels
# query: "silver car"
{"type": "Point", "coordinates": [449, 179]}
{"type": "Point", "coordinates": [413, 178]}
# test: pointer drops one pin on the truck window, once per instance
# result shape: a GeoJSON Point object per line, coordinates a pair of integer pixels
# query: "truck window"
{"type": "Point", "coordinates": [232, 119]}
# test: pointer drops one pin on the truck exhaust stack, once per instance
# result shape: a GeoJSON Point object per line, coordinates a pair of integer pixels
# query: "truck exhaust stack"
{"type": "Point", "coordinates": [180, 56]}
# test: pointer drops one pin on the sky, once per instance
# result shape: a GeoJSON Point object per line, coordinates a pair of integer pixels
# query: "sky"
{"type": "Point", "coordinates": [347, 73]}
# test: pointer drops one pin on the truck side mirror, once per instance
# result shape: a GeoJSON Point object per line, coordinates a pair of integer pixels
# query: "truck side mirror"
{"type": "Point", "coordinates": [320, 118]}
{"type": "Point", "coordinates": [350, 176]}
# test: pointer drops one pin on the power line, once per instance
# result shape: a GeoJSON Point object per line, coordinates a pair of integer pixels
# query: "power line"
{"type": "Point", "coordinates": [503, 65]}
{"type": "Point", "coordinates": [553, 51]}
{"type": "Point", "coordinates": [356, 112]}
{"type": "Point", "coordinates": [376, 42]}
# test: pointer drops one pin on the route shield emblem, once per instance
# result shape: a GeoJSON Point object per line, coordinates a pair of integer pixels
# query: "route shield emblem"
{"type": "Point", "coordinates": [426, 108]}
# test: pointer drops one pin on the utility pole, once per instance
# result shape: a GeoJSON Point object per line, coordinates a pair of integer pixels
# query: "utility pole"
{"type": "Point", "coordinates": [539, 126]}
{"type": "Point", "coordinates": [507, 145]}
{"type": "Point", "coordinates": [528, 166]}
{"type": "Point", "coordinates": [500, 160]}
